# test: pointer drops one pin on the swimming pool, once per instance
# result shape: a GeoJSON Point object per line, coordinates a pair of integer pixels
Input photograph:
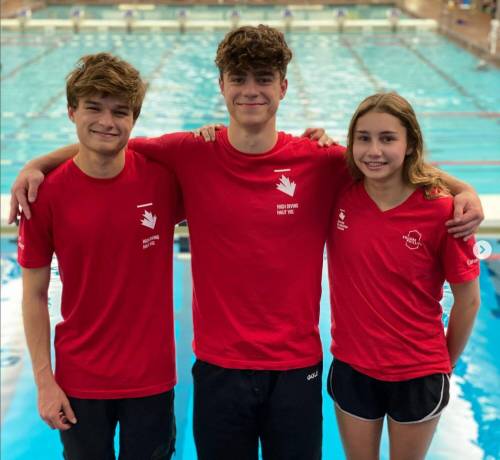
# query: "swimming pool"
{"type": "Point", "coordinates": [470, 427]}
{"type": "Point", "coordinates": [458, 105]}
{"type": "Point", "coordinates": [459, 110]}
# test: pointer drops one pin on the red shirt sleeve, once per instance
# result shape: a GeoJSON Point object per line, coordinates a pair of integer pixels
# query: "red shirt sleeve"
{"type": "Point", "coordinates": [459, 262]}
{"type": "Point", "coordinates": [163, 149]}
{"type": "Point", "coordinates": [342, 178]}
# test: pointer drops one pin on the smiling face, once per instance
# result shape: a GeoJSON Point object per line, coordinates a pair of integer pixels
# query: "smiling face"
{"type": "Point", "coordinates": [380, 147]}
{"type": "Point", "coordinates": [103, 124]}
{"type": "Point", "coordinates": [252, 98]}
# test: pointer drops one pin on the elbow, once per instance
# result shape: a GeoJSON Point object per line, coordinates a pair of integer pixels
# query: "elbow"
{"type": "Point", "coordinates": [474, 303]}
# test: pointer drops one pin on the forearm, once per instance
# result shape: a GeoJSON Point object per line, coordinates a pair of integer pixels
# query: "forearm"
{"type": "Point", "coordinates": [52, 160]}
{"type": "Point", "coordinates": [37, 330]}
{"type": "Point", "coordinates": [463, 314]}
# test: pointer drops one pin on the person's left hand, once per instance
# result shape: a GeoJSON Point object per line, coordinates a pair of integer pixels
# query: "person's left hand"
{"type": "Point", "coordinates": [467, 215]}
{"type": "Point", "coordinates": [319, 135]}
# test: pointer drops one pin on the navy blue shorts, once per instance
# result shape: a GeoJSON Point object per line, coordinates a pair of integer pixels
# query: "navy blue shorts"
{"type": "Point", "coordinates": [409, 401]}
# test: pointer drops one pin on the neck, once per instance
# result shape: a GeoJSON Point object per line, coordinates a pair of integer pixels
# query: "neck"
{"type": "Point", "coordinates": [388, 194]}
{"type": "Point", "coordinates": [254, 140]}
{"type": "Point", "coordinates": [100, 166]}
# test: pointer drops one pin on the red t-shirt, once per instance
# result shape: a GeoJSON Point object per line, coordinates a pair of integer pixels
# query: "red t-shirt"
{"type": "Point", "coordinates": [258, 225]}
{"type": "Point", "coordinates": [387, 271]}
{"type": "Point", "coordinates": [113, 242]}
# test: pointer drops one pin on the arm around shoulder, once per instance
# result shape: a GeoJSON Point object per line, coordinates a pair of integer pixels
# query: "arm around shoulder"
{"type": "Point", "coordinates": [468, 211]}
{"type": "Point", "coordinates": [164, 149]}
{"type": "Point", "coordinates": [25, 188]}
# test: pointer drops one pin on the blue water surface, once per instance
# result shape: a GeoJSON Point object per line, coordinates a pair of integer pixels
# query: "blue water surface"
{"type": "Point", "coordinates": [469, 428]}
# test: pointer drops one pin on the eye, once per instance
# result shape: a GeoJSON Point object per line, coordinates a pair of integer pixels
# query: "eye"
{"type": "Point", "coordinates": [236, 80]}
{"type": "Point", "coordinates": [388, 139]}
{"type": "Point", "coordinates": [362, 138]}
{"type": "Point", "coordinates": [92, 108]}
{"type": "Point", "coordinates": [121, 113]}
{"type": "Point", "coordinates": [265, 80]}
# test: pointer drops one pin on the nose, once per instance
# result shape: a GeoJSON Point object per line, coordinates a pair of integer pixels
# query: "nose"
{"type": "Point", "coordinates": [106, 119]}
{"type": "Point", "coordinates": [250, 88]}
{"type": "Point", "coordinates": [374, 149]}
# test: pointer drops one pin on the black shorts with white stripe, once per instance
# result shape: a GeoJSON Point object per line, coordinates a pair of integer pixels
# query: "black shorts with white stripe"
{"type": "Point", "coordinates": [409, 401]}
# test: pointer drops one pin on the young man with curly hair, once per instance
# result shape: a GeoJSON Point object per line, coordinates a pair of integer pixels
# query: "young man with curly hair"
{"type": "Point", "coordinates": [108, 215]}
{"type": "Point", "coordinates": [258, 203]}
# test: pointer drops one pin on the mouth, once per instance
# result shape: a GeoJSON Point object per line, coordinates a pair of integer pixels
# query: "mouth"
{"type": "Point", "coordinates": [374, 165]}
{"type": "Point", "coordinates": [250, 104]}
{"type": "Point", "coordinates": [104, 134]}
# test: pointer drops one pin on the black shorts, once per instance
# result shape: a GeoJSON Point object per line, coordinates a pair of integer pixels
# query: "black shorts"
{"type": "Point", "coordinates": [147, 428]}
{"type": "Point", "coordinates": [409, 401]}
{"type": "Point", "coordinates": [234, 409]}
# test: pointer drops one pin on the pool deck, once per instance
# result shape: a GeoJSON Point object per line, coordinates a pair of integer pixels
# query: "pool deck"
{"type": "Point", "coordinates": [471, 28]}
{"type": "Point", "coordinates": [490, 225]}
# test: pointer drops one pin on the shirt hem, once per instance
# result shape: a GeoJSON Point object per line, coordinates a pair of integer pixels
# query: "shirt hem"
{"type": "Point", "coordinates": [464, 277]}
{"type": "Point", "coordinates": [119, 394]}
{"type": "Point", "coordinates": [259, 365]}
{"type": "Point", "coordinates": [423, 370]}
{"type": "Point", "coordinates": [380, 375]}
{"type": "Point", "coordinates": [33, 264]}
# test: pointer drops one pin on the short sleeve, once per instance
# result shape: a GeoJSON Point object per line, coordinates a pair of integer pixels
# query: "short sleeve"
{"type": "Point", "coordinates": [459, 262]}
{"type": "Point", "coordinates": [341, 174]}
{"type": "Point", "coordinates": [35, 242]}
{"type": "Point", "coordinates": [163, 149]}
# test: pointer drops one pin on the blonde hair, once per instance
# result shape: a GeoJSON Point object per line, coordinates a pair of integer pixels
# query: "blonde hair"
{"type": "Point", "coordinates": [415, 170]}
{"type": "Point", "coordinates": [108, 75]}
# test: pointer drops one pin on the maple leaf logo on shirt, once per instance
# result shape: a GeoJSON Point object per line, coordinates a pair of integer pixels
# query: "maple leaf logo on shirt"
{"type": "Point", "coordinates": [286, 186]}
{"type": "Point", "coordinates": [149, 220]}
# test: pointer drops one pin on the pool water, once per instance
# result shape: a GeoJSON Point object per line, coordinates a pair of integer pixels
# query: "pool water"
{"type": "Point", "coordinates": [469, 428]}
{"type": "Point", "coordinates": [459, 110]}
{"type": "Point", "coordinates": [458, 105]}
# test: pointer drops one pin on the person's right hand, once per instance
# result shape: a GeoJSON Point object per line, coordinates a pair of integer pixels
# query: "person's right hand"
{"type": "Point", "coordinates": [24, 191]}
{"type": "Point", "coordinates": [207, 131]}
{"type": "Point", "coordinates": [54, 407]}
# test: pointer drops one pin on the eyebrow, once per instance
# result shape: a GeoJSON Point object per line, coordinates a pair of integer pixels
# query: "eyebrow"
{"type": "Point", "coordinates": [382, 132]}
{"type": "Point", "coordinates": [92, 102]}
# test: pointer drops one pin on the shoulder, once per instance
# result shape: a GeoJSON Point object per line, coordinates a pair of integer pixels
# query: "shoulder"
{"type": "Point", "coordinates": [441, 207]}
{"type": "Point", "coordinates": [145, 167]}
{"type": "Point", "coordinates": [170, 140]}
{"type": "Point", "coordinates": [304, 145]}
{"type": "Point", "coordinates": [56, 179]}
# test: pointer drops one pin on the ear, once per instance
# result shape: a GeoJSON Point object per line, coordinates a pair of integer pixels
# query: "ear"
{"type": "Point", "coordinates": [409, 151]}
{"type": "Point", "coordinates": [283, 88]}
{"type": "Point", "coordinates": [221, 84]}
{"type": "Point", "coordinates": [71, 113]}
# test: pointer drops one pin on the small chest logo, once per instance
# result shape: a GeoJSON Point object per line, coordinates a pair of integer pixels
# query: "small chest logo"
{"type": "Point", "coordinates": [413, 240]}
{"type": "Point", "coordinates": [286, 186]}
{"type": "Point", "coordinates": [149, 220]}
{"type": "Point", "coordinates": [341, 225]}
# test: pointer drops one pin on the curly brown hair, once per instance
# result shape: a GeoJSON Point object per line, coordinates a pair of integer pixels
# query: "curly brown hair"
{"type": "Point", "coordinates": [248, 48]}
{"type": "Point", "coordinates": [107, 75]}
{"type": "Point", "coordinates": [415, 170]}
